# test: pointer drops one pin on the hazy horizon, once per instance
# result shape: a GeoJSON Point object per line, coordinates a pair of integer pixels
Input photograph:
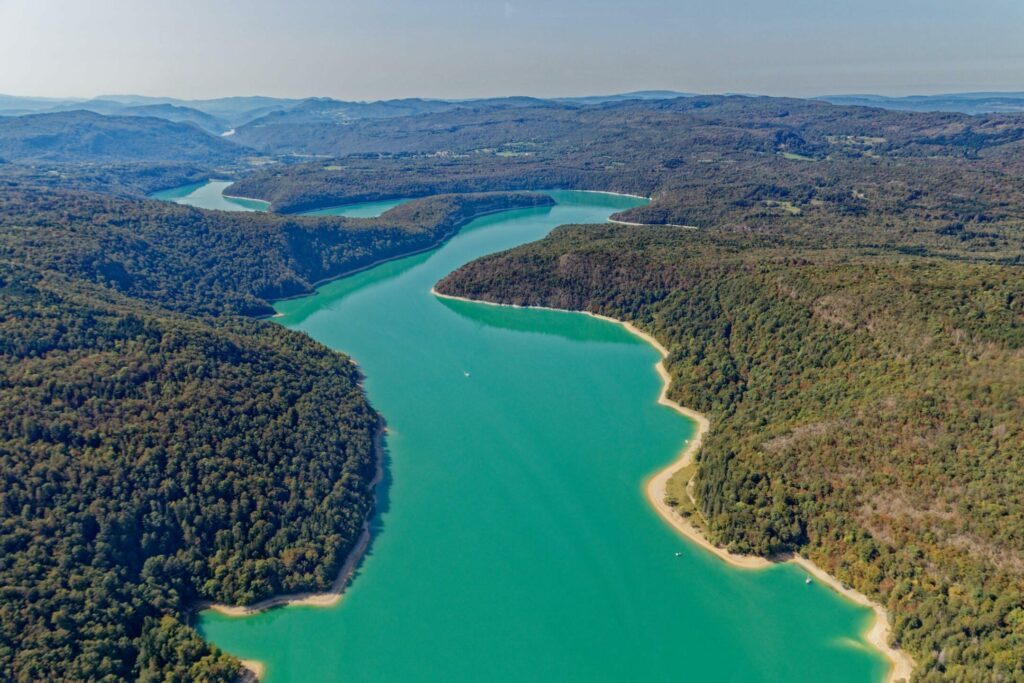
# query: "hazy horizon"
{"type": "Point", "coordinates": [455, 49]}
{"type": "Point", "coordinates": [113, 95]}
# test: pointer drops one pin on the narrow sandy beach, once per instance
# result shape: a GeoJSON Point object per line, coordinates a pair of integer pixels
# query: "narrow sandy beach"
{"type": "Point", "coordinates": [653, 225]}
{"type": "Point", "coordinates": [901, 664]}
{"type": "Point", "coordinates": [617, 194]}
{"type": "Point", "coordinates": [253, 671]}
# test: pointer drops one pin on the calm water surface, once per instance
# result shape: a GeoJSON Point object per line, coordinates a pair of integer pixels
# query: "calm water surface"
{"type": "Point", "coordinates": [513, 541]}
{"type": "Point", "coordinates": [364, 210]}
{"type": "Point", "coordinates": [210, 195]}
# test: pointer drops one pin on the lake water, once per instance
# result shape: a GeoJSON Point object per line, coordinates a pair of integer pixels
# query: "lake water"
{"type": "Point", "coordinates": [364, 210]}
{"type": "Point", "coordinates": [210, 195]}
{"type": "Point", "coordinates": [513, 541]}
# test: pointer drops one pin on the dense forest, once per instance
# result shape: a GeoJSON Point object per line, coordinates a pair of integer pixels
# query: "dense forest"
{"type": "Point", "coordinates": [150, 459]}
{"type": "Point", "coordinates": [865, 405]}
{"type": "Point", "coordinates": [87, 137]}
{"type": "Point", "coordinates": [157, 448]}
{"type": "Point", "coordinates": [199, 261]}
{"type": "Point", "coordinates": [131, 180]}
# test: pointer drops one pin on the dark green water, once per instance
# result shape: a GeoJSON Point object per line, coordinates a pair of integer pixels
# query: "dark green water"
{"type": "Point", "coordinates": [513, 540]}
{"type": "Point", "coordinates": [365, 210]}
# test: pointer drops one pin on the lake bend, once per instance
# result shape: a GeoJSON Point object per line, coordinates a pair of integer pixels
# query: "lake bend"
{"type": "Point", "coordinates": [210, 195]}
{"type": "Point", "coordinates": [512, 539]}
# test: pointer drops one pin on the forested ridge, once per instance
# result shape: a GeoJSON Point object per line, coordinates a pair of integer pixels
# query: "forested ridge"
{"type": "Point", "coordinates": [865, 405]}
{"type": "Point", "coordinates": [87, 137]}
{"type": "Point", "coordinates": [150, 459]}
{"type": "Point", "coordinates": [157, 448]}
{"type": "Point", "coordinates": [216, 262]}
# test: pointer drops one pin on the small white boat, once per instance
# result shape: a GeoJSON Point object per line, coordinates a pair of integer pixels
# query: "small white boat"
{"type": "Point", "coordinates": [679, 554]}
{"type": "Point", "coordinates": [807, 580]}
{"type": "Point", "coordinates": [465, 373]}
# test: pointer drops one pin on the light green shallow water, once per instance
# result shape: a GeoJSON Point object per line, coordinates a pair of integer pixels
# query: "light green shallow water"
{"type": "Point", "coordinates": [513, 541]}
{"type": "Point", "coordinates": [210, 195]}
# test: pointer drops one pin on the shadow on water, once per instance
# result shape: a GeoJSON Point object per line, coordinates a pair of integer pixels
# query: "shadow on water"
{"type": "Point", "coordinates": [382, 492]}
{"type": "Point", "coordinates": [381, 505]}
{"type": "Point", "coordinates": [578, 328]}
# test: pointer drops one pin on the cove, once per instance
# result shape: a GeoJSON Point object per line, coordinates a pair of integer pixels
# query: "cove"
{"type": "Point", "coordinates": [513, 540]}
{"type": "Point", "coordinates": [210, 195]}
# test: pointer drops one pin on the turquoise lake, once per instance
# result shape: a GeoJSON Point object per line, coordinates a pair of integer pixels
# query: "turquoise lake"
{"type": "Point", "coordinates": [210, 195]}
{"type": "Point", "coordinates": [512, 540]}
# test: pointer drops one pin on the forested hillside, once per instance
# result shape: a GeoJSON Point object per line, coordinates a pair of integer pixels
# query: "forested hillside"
{"type": "Point", "coordinates": [198, 261]}
{"type": "Point", "coordinates": [865, 405]}
{"type": "Point", "coordinates": [178, 114]}
{"type": "Point", "coordinates": [317, 124]}
{"type": "Point", "coordinates": [86, 137]}
{"type": "Point", "coordinates": [156, 448]}
{"type": "Point", "coordinates": [126, 180]}
{"type": "Point", "coordinates": [149, 460]}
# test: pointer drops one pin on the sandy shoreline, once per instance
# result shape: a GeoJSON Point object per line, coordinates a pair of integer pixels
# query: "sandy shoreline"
{"type": "Point", "coordinates": [253, 671]}
{"type": "Point", "coordinates": [901, 664]}
{"type": "Point", "coordinates": [234, 196]}
{"type": "Point", "coordinates": [653, 225]}
{"type": "Point", "coordinates": [618, 194]}
{"type": "Point", "coordinates": [327, 599]}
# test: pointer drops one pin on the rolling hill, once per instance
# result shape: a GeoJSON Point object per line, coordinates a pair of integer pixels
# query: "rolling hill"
{"type": "Point", "coordinates": [87, 137]}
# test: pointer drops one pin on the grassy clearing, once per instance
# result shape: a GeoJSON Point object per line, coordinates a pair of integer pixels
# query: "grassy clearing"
{"type": "Point", "coordinates": [676, 494]}
{"type": "Point", "coordinates": [788, 207]}
{"type": "Point", "coordinates": [792, 156]}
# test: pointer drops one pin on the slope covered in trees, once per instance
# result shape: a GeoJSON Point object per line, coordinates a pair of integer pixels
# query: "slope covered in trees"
{"type": "Point", "coordinates": [157, 449]}
{"type": "Point", "coordinates": [126, 180]}
{"type": "Point", "coordinates": [150, 460]}
{"type": "Point", "coordinates": [865, 407]}
{"type": "Point", "coordinates": [208, 262]}
{"type": "Point", "coordinates": [87, 137]}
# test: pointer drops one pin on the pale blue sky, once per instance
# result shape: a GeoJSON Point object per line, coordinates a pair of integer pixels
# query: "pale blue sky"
{"type": "Point", "coordinates": [471, 48]}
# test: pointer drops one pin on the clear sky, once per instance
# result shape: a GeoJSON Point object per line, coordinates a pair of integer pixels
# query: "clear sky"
{"type": "Point", "coordinates": [374, 49]}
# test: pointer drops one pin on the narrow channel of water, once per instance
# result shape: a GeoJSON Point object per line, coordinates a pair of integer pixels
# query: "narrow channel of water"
{"type": "Point", "coordinates": [210, 195]}
{"type": "Point", "coordinates": [513, 541]}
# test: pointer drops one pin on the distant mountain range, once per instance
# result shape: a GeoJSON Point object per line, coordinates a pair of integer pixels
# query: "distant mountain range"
{"type": "Point", "coordinates": [621, 97]}
{"type": "Point", "coordinates": [965, 103]}
{"type": "Point", "coordinates": [227, 114]}
{"type": "Point", "coordinates": [215, 115]}
{"type": "Point", "coordinates": [222, 114]}
{"type": "Point", "coordinates": [134, 128]}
